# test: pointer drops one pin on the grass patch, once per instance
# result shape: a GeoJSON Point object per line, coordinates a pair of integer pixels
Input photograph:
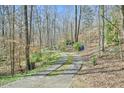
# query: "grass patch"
{"type": "Point", "coordinates": [7, 79]}
{"type": "Point", "coordinates": [63, 68]}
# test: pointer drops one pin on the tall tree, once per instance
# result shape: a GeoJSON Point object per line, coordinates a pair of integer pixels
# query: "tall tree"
{"type": "Point", "coordinates": [3, 19]}
{"type": "Point", "coordinates": [99, 29]}
{"type": "Point", "coordinates": [103, 28]}
{"type": "Point", "coordinates": [71, 31]}
{"type": "Point", "coordinates": [2, 10]}
{"type": "Point", "coordinates": [79, 21]}
{"type": "Point", "coordinates": [31, 11]}
{"type": "Point", "coordinates": [13, 45]}
{"type": "Point", "coordinates": [54, 25]}
{"type": "Point", "coordinates": [122, 9]}
{"type": "Point", "coordinates": [39, 27]}
{"type": "Point", "coordinates": [76, 39]}
{"type": "Point", "coordinates": [10, 30]}
{"type": "Point", "coordinates": [47, 24]}
{"type": "Point", "coordinates": [27, 38]}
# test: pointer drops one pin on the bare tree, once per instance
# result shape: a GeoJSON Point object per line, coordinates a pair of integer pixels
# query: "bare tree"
{"type": "Point", "coordinates": [27, 39]}
{"type": "Point", "coordinates": [3, 19]}
{"type": "Point", "coordinates": [39, 27]}
{"type": "Point", "coordinates": [72, 32]}
{"type": "Point", "coordinates": [79, 21]}
{"type": "Point", "coordinates": [30, 24]}
{"type": "Point", "coordinates": [54, 25]}
{"type": "Point", "coordinates": [13, 45]}
{"type": "Point", "coordinates": [122, 9]}
{"type": "Point", "coordinates": [47, 24]}
{"type": "Point", "coordinates": [76, 39]}
{"type": "Point", "coordinates": [103, 28]}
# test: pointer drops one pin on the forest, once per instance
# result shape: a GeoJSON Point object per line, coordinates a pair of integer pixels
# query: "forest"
{"type": "Point", "coordinates": [61, 45]}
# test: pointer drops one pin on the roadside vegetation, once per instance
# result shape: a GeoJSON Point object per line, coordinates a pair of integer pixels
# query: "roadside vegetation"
{"type": "Point", "coordinates": [42, 60]}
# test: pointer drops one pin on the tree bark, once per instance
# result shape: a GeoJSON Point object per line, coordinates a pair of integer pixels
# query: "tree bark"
{"type": "Point", "coordinates": [76, 40]}
{"type": "Point", "coordinates": [13, 45]}
{"type": "Point", "coordinates": [71, 33]}
{"type": "Point", "coordinates": [122, 8]}
{"type": "Point", "coordinates": [99, 31]}
{"type": "Point", "coordinates": [79, 20]}
{"type": "Point", "coordinates": [103, 28]}
{"type": "Point", "coordinates": [30, 24]}
{"type": "Point", "coordinates": [27, 39]}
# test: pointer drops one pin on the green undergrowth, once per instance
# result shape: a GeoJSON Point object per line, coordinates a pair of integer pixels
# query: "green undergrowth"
{"type": "Point", "coordinates": [7, 79]}
{"type": "Point", "coordinates": [44, 56]}
{"type": "Point", "coordinates": [48, 58]}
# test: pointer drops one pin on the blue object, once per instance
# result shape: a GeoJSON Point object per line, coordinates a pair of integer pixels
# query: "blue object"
{"type": "Point", "coordinates": [81, 48]}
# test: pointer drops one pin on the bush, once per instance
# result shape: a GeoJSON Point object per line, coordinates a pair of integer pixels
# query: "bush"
{"type": "Point", "coordinates": [69, 42]}
{"type": "Point", "coordinates": [111, 32]}
{"type": "Point", "coordinates": [93, 59]}
{"type": "Point", "coordinates": [78, 46]}
{"type": "Point", "coordinates": [36, 57]}
{"type": "Point", "coordinates": [63, 45]}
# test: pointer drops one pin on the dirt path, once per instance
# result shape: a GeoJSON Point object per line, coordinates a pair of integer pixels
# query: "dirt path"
{"type": "Point", "coordinates": [42, 79]}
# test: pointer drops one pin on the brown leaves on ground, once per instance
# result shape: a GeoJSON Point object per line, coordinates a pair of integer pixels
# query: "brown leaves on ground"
{"type": "Point", "coordinates": [107, 73]}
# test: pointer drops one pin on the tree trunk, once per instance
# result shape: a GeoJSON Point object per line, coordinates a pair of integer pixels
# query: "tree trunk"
{"type": "Point", "coordinates": [10, 37]}
{"type": "Point", "coordinates": [30, 24]}
{"type": "Point", "coordinates": [79, 20]}
{"type": "Point", "coordinates": [99, 31]}
{"type": "Point", "coordinates": [47, 26]}
{"type": "Point", "coordinates": [3, 19]}
{"type": "Point", "coordinates": [13, 45]}
{"type": "Point", "coordinates": [54, 27]}
{"type": "Point", "coordinates": [122, 9]}
{"type": "Point", "coordinates": [103, 26]}
{"type": "Point", "coordinates": [76, 40]}
{"type": "Point", "coordinates": [71, 32]}
{"type": "Point", "coordinates": [27, 39]}
{"type": "Point", "coordinates": [39, 25]}
{"type": "Point", "coordinates": [3, 23]}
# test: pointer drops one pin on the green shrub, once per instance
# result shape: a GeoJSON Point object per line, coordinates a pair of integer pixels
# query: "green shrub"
{"type": "Point", "coordinates": [69, 42]}
{"type": "Point", "coordinates": [93, 59]}
{"type": "Point", "coordinates": [111, 32]}
{"type": "Point", "coordinates": [36, 57]}
{"type": "Point", "coordinates": [44, 56]}
{"type": "Point", "coordinates": [76, 46]}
